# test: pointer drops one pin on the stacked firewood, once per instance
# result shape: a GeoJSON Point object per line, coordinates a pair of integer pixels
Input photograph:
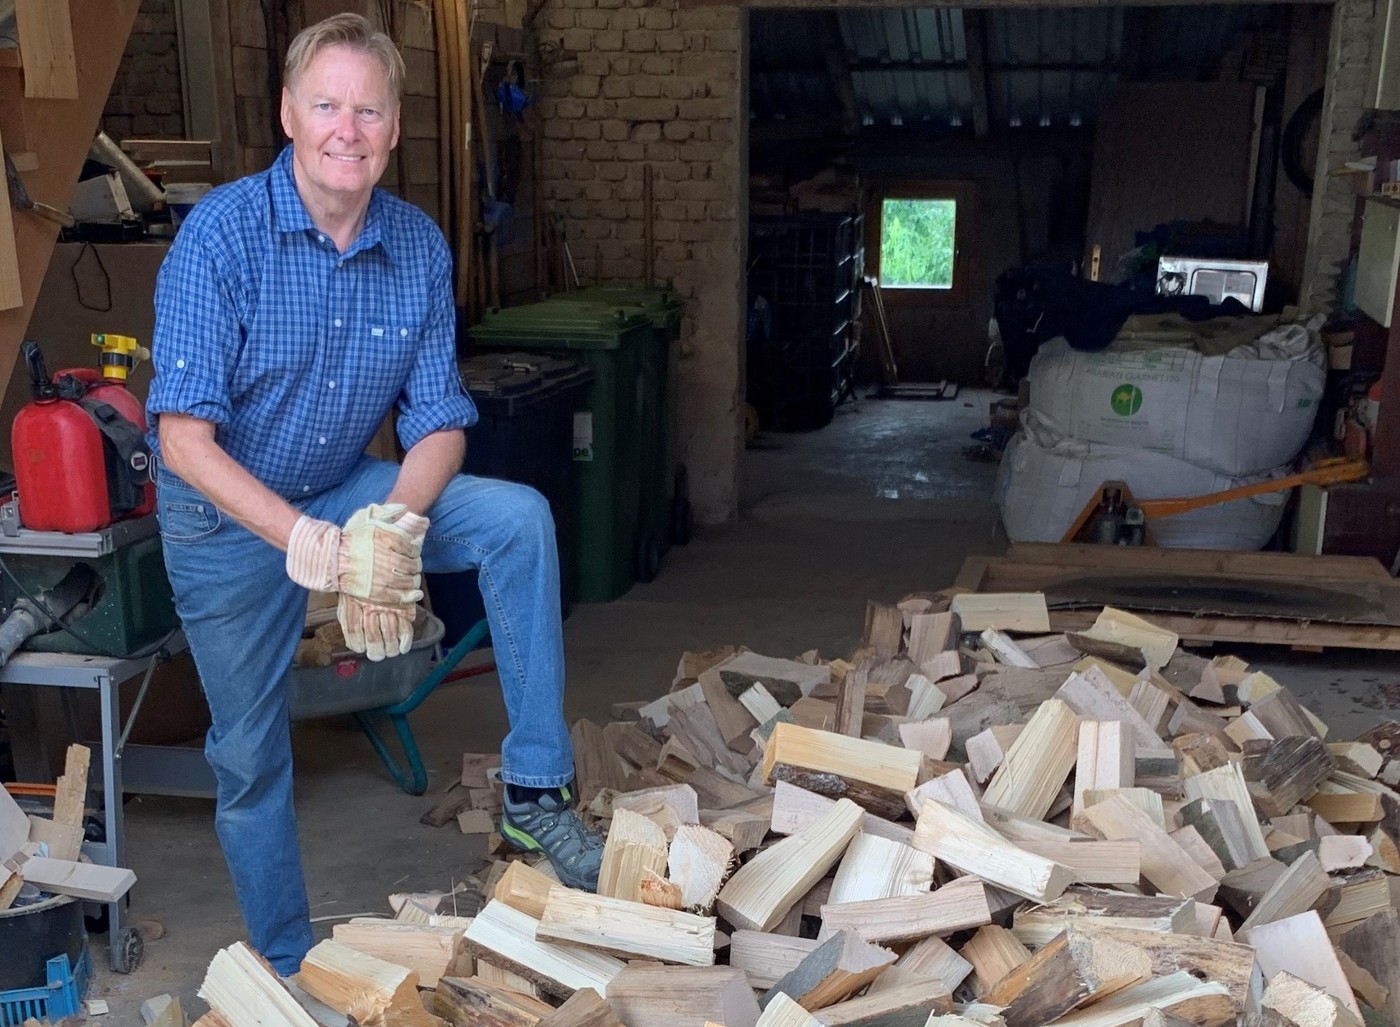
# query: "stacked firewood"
{"type": "Point", "coordinates": [969, 822]}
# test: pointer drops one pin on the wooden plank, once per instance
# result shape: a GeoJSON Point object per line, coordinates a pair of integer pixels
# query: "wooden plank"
{"type": "Point", "coordinates": [1037, 763]}
{"type": "Point", "coordinates": [81, 880]}
{"type": "Point", "coordinates": [46, 41]}
{"type": "Point", "coordinates": [974, 848]}
{"type": "Point", "coordinates": [767, 886]}
{"type": "Point", "coordinates": [1070, 972]}
{"type": "Point", "coordinates": [507, 936]}
{"type": "Point", "coordinates": [11, 290]}
{"type": "Point", "coordinates": [648, 996]}
{"type": "Point", "coordinates": [878, 868]}
{"type": "Point", "coordinates": [954, 907]}
{"type": "Point", "coordinates": [1004, 611]}
{"type": "Point", "coordinates": [624, 928]}
{"type": "Point", "coordinates": [14, 826]}
{"type": "Point", "coordinates": [70, 802]}
{"type": "Point", "coordinates": [832, 972]}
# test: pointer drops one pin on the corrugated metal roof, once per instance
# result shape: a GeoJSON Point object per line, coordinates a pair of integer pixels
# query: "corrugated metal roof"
{"type": "Point", "coordinates": [1045, 66]}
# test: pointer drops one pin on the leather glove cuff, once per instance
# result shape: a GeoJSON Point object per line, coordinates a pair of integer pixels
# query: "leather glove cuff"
{"type": "Point", "coordinates": [313, 554]}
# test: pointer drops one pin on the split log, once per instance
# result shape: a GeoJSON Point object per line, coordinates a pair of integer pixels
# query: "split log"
{"type": "Point", "coordinates": [1287, 772]}
{"type": "Point", "coordinates": [834, 765]}
{"type": "Point", "coordinates": [1105, 758]}
{"type": "Point", "coordinates": [1299, 945]}
{"type": "Point", "coordinates": [1037, 763]}
{"type": "Point", "coordinates": [506, 936]}
{"type": "Point", "coordinates": [974, 848]}
{"type": "Point", "coordinates": [908, 1005]}
{"type": "Point", "coordinates": [1228, 783]}
{"type": "Point", "coordinates": [475, 1001]}
{"type": "Point", "coordinates": [1202, 1003]}
{"type": "Point", "coordinates": [993, 952]}
{"type": "Point", "coordinates": [932, 957]}
{"type": "Point", "coordinates": [683, 996]}
{"type": "Point", "coordinates": [524, 888]}
{"type": "Point", "coordinates": [1297, 890]}
{"type": "Point", "coordinates": [1065, 974]}
{"type": "Point", "coordinates": [1036, 926]}
{"type": "Point", "coordinates": [428, 951]}
{"type": "Point", "coordinates": [767, 958]}
{"type": "Point", "coordinates": [368, 990]}
{"type": "Point", "coordinates": [795, 809]}
{"type": "Point", "coordinates": [833, 971]}
{"type": "Point", "coordinates": [625, 928]}
{"type": "Point", "coordinates": [1170, 869]}
{"type": "Point", "coordinates": [1305, 1004]}
{"type": "Point", "coordinates": [699, 861]}
{"type": "Point", "coordinates": [954, 907]}
{"type": "Point", "coordinates": [584, 1008]}
{"type": "Point", "coordinates": [765, 888]}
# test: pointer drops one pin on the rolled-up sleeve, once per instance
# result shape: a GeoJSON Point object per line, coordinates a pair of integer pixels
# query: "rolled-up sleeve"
{"type": "Point", "coordinates": [433, 398]}
{"type": "Point", "coordinates": [197, 331]}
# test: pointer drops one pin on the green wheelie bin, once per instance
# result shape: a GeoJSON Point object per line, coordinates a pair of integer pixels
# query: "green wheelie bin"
{"type": "Point", "coordinates": [665, 515]}
{"type": "Point", "coordinates": [608, 422]}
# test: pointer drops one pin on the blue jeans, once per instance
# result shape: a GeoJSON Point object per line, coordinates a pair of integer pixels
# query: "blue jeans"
{"type": "Point", "coordinates": [243, 617]}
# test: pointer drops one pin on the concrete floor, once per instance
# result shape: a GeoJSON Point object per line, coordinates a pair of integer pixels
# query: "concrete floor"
{"type": "Point", "coordinates": [881, 503]}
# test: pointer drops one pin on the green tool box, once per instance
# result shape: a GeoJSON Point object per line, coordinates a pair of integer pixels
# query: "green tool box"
{"type": "Point", "coordinates": [608, 425]}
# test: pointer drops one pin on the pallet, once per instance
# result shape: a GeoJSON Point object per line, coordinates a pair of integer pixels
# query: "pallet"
{"type": "Point", "coordinates": [1054, 569]}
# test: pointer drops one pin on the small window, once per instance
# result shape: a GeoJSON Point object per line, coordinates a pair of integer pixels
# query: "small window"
{"type": "Point", "coordinates": [917, 243]}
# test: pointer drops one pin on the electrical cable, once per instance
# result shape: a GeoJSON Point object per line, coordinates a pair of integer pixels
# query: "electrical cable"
{"type": "Point", "coordinates": [148, 650]}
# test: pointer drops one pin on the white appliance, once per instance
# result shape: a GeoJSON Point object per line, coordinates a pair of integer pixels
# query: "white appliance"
{"type": "Point", "coordinates": [1378, 260]}
{"type": "Point", "coordinates": [1214, 277]}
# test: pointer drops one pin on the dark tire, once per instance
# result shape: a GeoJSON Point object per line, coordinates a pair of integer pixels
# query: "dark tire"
{"type": "Point", "coordinates": [127, 950]}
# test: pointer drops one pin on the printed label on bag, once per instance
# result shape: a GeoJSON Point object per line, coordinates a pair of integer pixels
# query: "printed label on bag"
{"type": "Point", "coordinates": [583, 436]}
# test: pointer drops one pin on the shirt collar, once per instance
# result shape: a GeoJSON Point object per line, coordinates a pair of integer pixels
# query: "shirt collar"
{"type": "Point", "coordinates": [290, 214]}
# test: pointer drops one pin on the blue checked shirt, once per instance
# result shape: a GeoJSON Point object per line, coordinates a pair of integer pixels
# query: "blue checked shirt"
{"type": "Point", "coordinates": [296, 351]}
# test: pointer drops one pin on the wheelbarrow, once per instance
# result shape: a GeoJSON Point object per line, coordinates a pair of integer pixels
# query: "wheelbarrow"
{"type": "Point", "coordinates": [381, 695]}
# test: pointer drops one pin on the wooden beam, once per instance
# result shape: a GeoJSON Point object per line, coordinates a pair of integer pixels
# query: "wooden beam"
{"type": "Point", "coordinates": [975, 38]}
{"type": "Point", "coordinates": [46, 43]}
{"type": "Point", "coordinates": [625, 928]}
{"type": "Point", "coordinates": [974, 848]}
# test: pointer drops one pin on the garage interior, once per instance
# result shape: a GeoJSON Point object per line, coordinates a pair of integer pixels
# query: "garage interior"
{"type": "Point", "coordinates": [899, 249]}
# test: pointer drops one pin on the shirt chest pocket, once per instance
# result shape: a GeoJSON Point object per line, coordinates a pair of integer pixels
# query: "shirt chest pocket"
{"type": "Point", "coordinates": [382, 350]}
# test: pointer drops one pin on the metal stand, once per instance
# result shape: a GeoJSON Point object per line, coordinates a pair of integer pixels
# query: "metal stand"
{"type": "Point", "coordinates": [158, 770]}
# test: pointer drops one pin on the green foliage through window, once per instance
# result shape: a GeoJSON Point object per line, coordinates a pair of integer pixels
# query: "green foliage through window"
{"type": "Point", "coordinates": [916, 243]}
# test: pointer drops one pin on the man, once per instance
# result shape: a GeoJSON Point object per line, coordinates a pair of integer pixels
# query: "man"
{"type": "Point", "coordinates": [295, 308]}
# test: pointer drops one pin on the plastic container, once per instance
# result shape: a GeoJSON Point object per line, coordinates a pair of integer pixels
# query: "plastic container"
{"type": "Point", "coordinates": [664, 507]}
{"type": "Point", "coordinates": [58, 998]}
{"type": "Point", "coordinates": [31, 936]}
{"type": "Point", "coordinates": [525, 434]}
{"type": "Point", "coordinates": [607, 425]}
{"type": "Point", "coordinates": [357, 683]}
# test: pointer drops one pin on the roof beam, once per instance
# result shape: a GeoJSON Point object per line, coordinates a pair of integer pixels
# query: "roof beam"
{"type": "Point", "coordinates": [974, 26]}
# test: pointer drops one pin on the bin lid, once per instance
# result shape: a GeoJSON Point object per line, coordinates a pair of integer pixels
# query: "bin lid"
{"type": "Point", "coordinates": [551, 368]}
{"type": "Point", "coordinates": [490, 374]}
{"type": "Point", "coordinates": [661, 302]}
{"type": "Point", "coordinates": [555, 324]}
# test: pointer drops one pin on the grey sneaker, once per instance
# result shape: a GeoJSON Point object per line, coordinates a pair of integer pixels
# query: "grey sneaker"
{"type": "Point", "coordinates": [549, 825]}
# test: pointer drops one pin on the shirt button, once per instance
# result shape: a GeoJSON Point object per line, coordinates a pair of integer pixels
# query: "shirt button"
{"type": "Point", "coordinates": [322, 440]}
{"type": "Point", "coordinates": [403, 332]}
{"type": "Point", "coordinates": [179, 363]}
{"type": "Point", "coordinates": [330, 385]}
{"type": "Point", "coordinates": [306, 488]}
{"type": "Point", "coordinates": [320, 238]}
{"type": "Point", "coordinates": [337, 322]}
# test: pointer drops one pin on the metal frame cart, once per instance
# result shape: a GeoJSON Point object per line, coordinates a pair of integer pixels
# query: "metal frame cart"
{"type": "Point", "coordinates": [156, 770]}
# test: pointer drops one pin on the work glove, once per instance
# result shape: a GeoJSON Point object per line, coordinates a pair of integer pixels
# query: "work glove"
{"type": "Point", "coordinates": [371, 558]}
{"type": "Point", "coordinates": [381, 630]}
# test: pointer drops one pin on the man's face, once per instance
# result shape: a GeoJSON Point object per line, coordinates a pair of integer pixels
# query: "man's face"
{"type": "Point", "coordinates": [343, 123]}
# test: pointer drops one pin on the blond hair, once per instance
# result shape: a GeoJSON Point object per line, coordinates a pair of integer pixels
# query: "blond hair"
{"type": "Point", "coordinates": [353, 32]}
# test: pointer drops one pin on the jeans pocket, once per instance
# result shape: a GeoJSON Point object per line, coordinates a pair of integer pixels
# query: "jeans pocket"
{"type": "Point", "coordinates": [186, 516]}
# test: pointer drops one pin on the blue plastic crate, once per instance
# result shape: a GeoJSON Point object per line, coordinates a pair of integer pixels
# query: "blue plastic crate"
{"type": "Point", "coordinates": [59, 998]}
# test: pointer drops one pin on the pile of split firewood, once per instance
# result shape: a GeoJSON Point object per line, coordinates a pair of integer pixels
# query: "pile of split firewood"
{"type": "Point", "coordinates": [970, 822]}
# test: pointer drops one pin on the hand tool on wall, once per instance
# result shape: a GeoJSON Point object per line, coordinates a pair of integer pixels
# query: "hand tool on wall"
{"type": "Point", "coordinates": [20, 200]}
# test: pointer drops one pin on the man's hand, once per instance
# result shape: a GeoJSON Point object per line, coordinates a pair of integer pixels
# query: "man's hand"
{"type": "Point", "coordinates": [370, 558]}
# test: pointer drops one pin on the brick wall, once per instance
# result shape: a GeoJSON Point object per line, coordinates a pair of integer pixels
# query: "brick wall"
{"type": "Point", "coordinates": [1354, 31]}
{"type": "Point", "coordinates": [635, 82]}
{"type": "Point", "coordinates": [146, 98]}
